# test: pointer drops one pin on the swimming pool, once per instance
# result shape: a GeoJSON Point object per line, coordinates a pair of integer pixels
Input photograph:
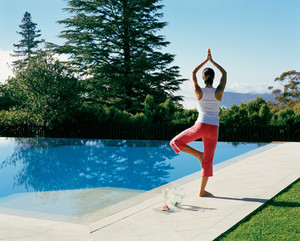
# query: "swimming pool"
{"type": "Point", "coordinates": [74, 177]}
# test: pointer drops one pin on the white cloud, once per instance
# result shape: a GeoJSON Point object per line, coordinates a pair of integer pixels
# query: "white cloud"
{"type": "Point", "coordinates": [5, 62]}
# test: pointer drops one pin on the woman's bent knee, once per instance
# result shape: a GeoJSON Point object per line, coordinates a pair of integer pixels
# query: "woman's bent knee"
{"type": "Point", "coordinates": [176, 145]}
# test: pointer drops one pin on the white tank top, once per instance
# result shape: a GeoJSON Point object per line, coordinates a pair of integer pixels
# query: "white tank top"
{"type": "Point", "coordinates": [208, 107]}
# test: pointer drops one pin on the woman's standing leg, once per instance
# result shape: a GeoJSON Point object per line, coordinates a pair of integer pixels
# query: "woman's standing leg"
{"type": "Point", "coordinates": [209, 142]}
{"type": "Point", "coordinates": [203, 192]}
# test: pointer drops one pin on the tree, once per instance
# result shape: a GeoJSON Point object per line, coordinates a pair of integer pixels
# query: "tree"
{"type": "Point", "coordinates": [6, 100]}
{"type": "Point", "coordinates": [290, 95]}
{"type": "Point", "coordinates": [46, 90]}
{"type": "Point", "coordinates": [114, 45]}
{"type": "Point", "coordinates": [255, 113]}
{"type": "Point", "coordinates": [28, 45]}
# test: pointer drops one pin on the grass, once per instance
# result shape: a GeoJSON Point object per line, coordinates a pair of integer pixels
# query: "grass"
{"type": "Point", "coordinates": [277, 219]}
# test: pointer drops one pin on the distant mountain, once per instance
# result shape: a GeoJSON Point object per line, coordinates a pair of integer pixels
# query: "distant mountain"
{"type": "Point", "coordinates": [230, 98]}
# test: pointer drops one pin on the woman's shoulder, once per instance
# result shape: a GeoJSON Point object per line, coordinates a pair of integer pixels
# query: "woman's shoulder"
{"type": "Point", "coordinates": [219, 94]}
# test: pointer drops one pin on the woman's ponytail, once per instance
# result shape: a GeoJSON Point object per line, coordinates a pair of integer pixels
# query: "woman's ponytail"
{"type": "Point", "coordinates": [209, 75]}
{"type": "Point", "coordinates": [209, 80]}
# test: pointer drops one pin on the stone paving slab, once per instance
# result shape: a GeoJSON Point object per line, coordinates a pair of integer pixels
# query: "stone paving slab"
{"type": "Point", "coordinates": [238, 190]}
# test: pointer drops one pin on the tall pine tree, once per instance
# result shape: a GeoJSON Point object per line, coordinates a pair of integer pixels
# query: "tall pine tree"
{"type": "Point", "coordinates": [115, 44]}
{"type": "Point", "coordinates": [29, 43]}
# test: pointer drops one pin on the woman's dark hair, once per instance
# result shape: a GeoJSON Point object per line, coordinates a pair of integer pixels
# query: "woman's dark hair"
{"type": "Point", "coordinates": [209, 75]}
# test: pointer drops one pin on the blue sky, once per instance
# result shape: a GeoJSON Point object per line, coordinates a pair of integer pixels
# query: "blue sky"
{"type": "Point", "coordinates": [255, 41]}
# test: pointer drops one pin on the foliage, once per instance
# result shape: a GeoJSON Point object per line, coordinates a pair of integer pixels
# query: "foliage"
{"type": "Point", "coordinates": [6, 100]}
{"type": "Point", "coordinates": [290, 95]}
{"type": "Point", "coordinates": [17, 117]}
{"type": "Point", "coordinates": [28, 45]}
{"type": "Point", "coordinates": [46, 90]}
{"type": "Point", "coordinates": [253, 113]}
{"type": "Point", "coordinates": [286, 117]}
{"type": "Point", "coordinates": [185, 117]}
{"type": "Point", "coordinates": [296, 109]}
{"type": "Point", "coordinates": [114, 45]}
{"type": "Point", "coordinates": [168, 113]}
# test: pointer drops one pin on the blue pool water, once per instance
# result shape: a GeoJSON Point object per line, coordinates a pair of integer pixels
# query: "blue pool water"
{"type": "Point", "coordinates": [30, 165]}
{"type": "Point", "coordinates": [42, 165]}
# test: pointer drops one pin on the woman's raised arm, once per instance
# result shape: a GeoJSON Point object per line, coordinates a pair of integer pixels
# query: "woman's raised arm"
{"type": "Point", "coordinates": [196, 87]}
{"type": "Point", "coordinates": [223, 80]}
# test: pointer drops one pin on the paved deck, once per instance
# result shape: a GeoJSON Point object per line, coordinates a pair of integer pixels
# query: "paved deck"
{"type": "Point", "coordinates": [239, 188]}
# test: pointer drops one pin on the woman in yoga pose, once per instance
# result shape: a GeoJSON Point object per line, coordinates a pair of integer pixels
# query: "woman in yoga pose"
{"type": "Point", "coordinates": [207, 124]}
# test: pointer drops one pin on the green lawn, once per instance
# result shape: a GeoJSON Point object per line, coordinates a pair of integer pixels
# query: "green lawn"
{"type": "Point", "coordinates": [278, 219]}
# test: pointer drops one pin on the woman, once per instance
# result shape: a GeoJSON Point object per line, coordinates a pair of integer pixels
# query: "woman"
{"type": "Point", "coordinates": [207, 124]}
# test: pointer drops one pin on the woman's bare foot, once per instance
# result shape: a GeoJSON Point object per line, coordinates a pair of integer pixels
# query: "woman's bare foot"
{"type": "Point", "coordinates": [204, 194]}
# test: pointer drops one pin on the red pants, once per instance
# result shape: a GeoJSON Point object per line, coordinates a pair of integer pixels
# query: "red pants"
{"type": "Point", "coordinates": [209, 134]}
